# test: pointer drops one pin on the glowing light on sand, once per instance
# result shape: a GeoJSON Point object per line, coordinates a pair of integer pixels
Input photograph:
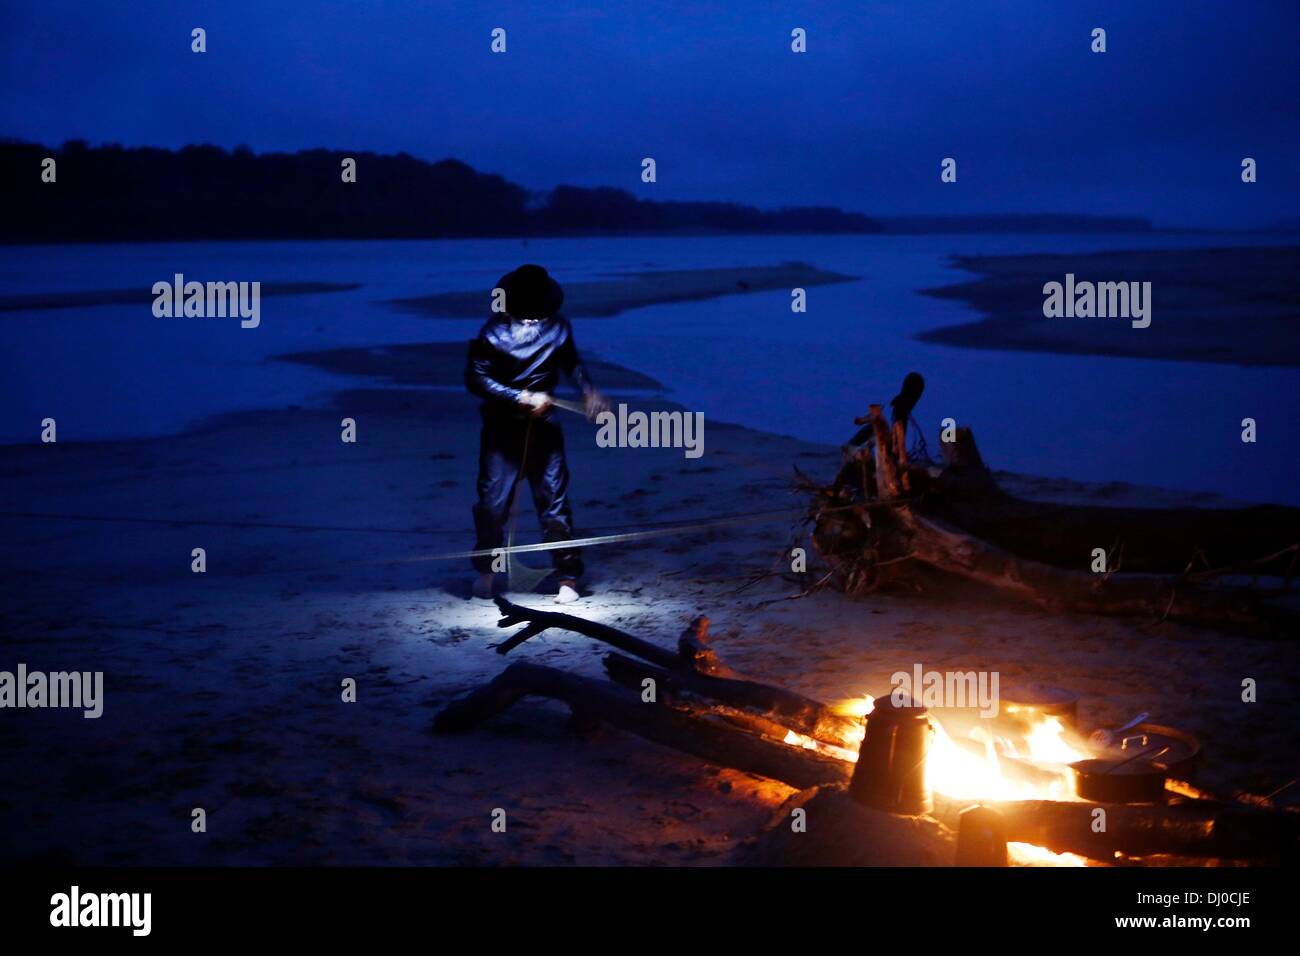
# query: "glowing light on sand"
{"type": "Point", "coordinates": [1027, 854]}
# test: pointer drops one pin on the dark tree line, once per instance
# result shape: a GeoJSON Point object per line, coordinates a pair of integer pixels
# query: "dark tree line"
{"type": "Point", "coordinates": [108, 193]}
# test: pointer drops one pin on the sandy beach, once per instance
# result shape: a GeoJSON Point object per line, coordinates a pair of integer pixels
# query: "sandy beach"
{"type": "Point", "coordinates": [223, 688]}
{"type": "Point", "coordinates": [460, 459]}
{"type": "Point", "coordinates": [629, 290]}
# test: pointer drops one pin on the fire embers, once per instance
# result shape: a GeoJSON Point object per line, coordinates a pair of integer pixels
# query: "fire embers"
{"type": "Point", "coordinates": [891, 769]}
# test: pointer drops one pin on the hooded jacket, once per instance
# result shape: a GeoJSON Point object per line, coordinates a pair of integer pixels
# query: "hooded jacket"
{"type": "Point", "coordinates": [507, 358]}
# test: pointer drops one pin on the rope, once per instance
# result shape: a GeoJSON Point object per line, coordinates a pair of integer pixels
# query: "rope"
{"type": "Point", "coordinates": [643, 531]}
{"type": "Point", "coordinates": [659, 529]}
{"type": "Point", "coordinates": [254, 525]}
{"type": "Point", "coordinates": [201, 523]}
{"type": "Point", "coordinates": [607, 538]}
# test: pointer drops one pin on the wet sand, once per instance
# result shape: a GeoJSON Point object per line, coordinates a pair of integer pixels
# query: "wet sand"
{"type": "Point", "coordinates": [1236, 306]}
{"type": "Point", "coordinates": [441, 364]}
{"type": "Point", "coordinates": [630, 290]}
{"type": "Point", "coordinates": [95, 297]}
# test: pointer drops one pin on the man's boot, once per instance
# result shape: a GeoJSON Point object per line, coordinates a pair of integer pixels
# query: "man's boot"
{"type": "Point", "coordinates": [568, 592]}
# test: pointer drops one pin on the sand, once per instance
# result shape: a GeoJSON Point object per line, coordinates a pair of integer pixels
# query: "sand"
{"type": "Point", "coordinates": [618, 293]}
{"type": "Point", "coordinates": [223, 689]}
{"type": "Point", "coordinates": [443, 363]}
{"type": "Point", "coordinates": [630, 290]}
{"type": "Point", "coordinates": [95, 297]}
{"type": "Point", "coordinates": [1236, 306]}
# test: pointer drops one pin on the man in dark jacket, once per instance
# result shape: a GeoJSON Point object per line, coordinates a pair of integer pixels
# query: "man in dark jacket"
{"type": "Point", "coordinates": [514, 366]}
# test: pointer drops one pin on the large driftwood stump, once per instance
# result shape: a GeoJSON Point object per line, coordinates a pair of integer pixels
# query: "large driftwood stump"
{"type": "Point", "coordinates": [1164, 563]}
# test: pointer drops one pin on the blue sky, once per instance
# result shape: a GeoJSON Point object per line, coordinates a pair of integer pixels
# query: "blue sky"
{"type": "Point", "coordinates": [1157, 126]}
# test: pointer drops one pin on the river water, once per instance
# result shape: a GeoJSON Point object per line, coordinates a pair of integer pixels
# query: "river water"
{"type": "Point", "coordinates": [117, 371]}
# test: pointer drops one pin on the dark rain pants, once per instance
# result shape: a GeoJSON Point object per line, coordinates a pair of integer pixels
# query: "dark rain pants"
{"type": "Point", "coordinates": [507, 448]}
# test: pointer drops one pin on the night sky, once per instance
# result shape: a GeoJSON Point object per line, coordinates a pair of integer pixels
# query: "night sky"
{"type": "Point", "coordinates": [1156, 127]}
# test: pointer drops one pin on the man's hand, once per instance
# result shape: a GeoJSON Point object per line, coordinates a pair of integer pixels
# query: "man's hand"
{"type": "Point", "coordinates": [595, 404]}
{"type": "Point", "coordinates": [537, 403]}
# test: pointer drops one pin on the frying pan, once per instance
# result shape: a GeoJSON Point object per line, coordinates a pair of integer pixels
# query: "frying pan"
{"type": "Point", "coordinates": [1184, 749]}
{"type": "Point", "coordinates": [1134, 769]}
{"type": "Point", "coordinates": [1136, 779]}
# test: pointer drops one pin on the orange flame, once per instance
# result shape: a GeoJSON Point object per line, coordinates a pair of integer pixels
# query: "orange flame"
{"type": "Point", "coordinates": [1031, 765]}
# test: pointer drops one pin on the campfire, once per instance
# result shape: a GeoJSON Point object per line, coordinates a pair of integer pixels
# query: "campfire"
{"type": "Point", "coordinates": [981, 765]}
{"type": "Point", "coordinates": [1002, 793]}
{"type": "Point", "coordinates": [892, 781]}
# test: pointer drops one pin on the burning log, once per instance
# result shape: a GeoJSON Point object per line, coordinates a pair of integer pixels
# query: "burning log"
{"type": "Point", "coordinates": [695, 669]}
{"type": "Point", "coordinates": [751, 731]}
{"type": "Point", "coordinates": [1191, 828]}
{"type": "Point", "coordinates": [790, 710]}
{"type": "Point", "coordinates": [691, 733]}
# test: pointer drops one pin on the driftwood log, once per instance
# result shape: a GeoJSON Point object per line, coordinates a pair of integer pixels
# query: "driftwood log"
{"type": "Point", "coordinates": [1056, 589]}
{"type": "Point", "coordinates": [882, 518]}
{"type": "Point", "coordinates": [701, 708]}
{"type": "Point", "coordinates": [694, 670]}
{"type": "Point", "coordinates": [693, 733]}
{"type": "Point", "coordinates": [538, 621]}
{"type": "Point", "coordinates": [1188, 828]}
{"type": "Point", "coordinates": [1259, 539]}
{"type": "Point", "coordinates": [792, 711]}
